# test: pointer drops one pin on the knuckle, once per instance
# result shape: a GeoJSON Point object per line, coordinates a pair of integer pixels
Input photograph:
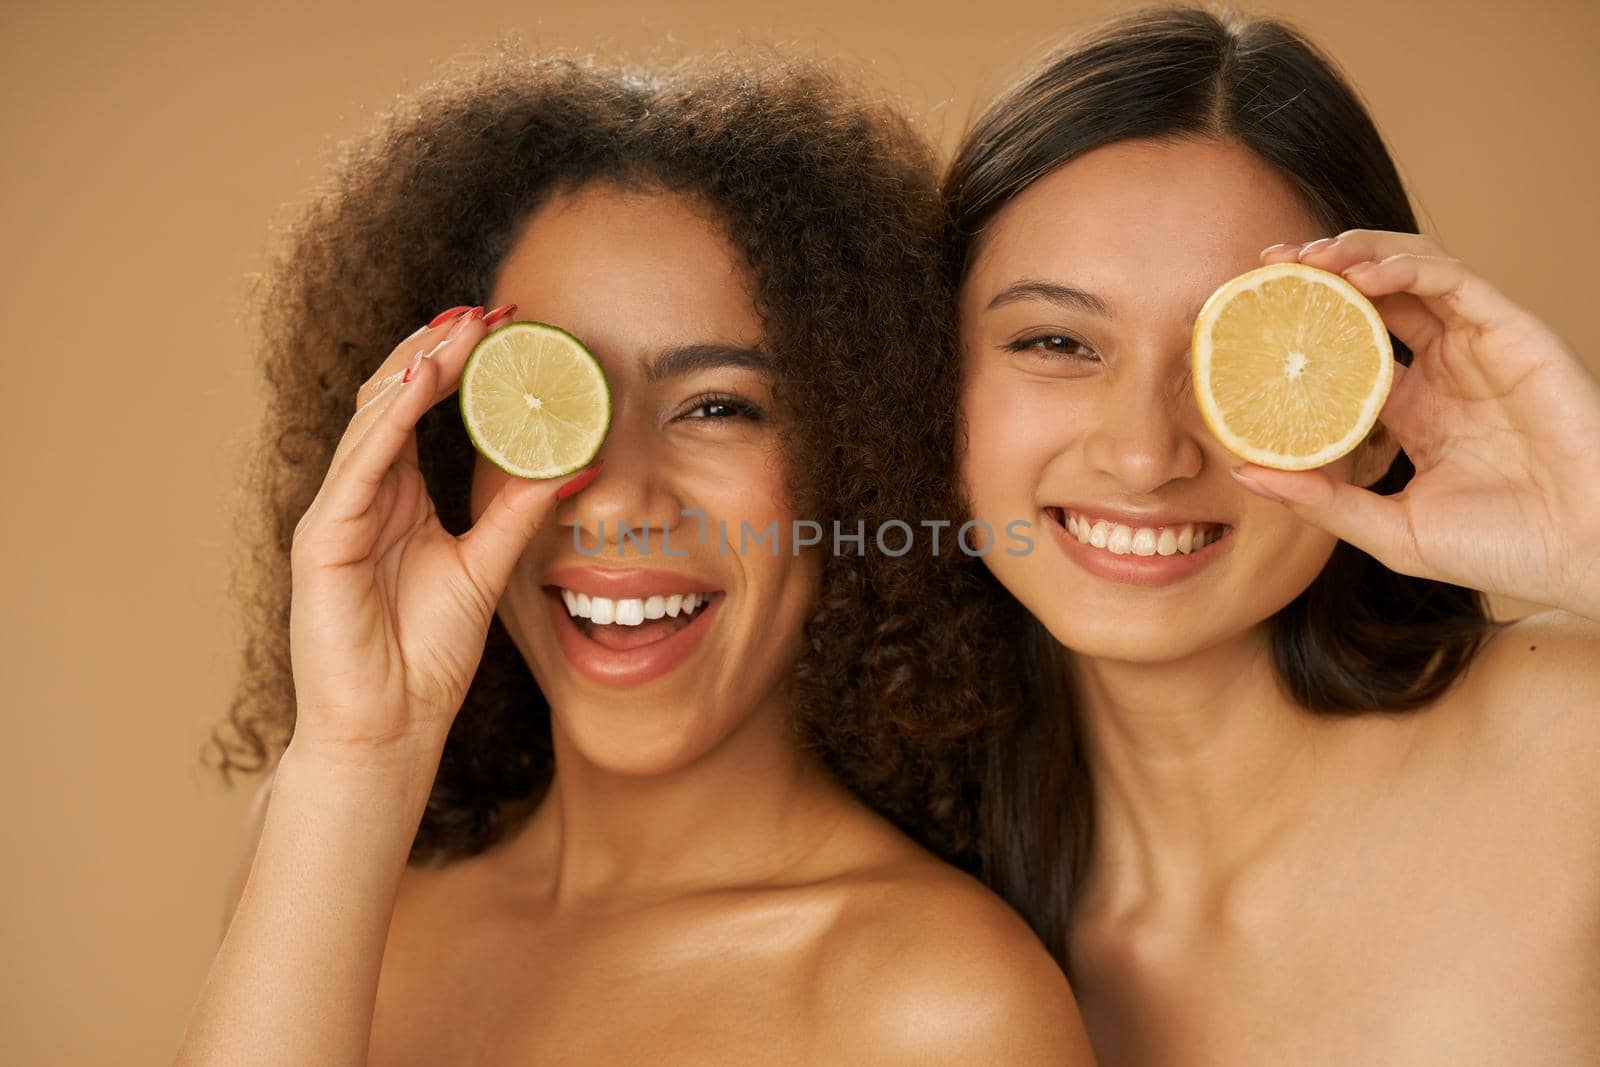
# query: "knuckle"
{"type": "Point", "coordinates": [373, 389]}
{"type": "Point", "coordinates": [307, 534]}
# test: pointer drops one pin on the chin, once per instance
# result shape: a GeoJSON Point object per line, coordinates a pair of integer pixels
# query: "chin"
{"type": "Point", "coordinates": [1154, 608]}
{"type": "Point", "coordinates": [638, 738]}
{"type": "Point", "coordinates": [1129, 640]}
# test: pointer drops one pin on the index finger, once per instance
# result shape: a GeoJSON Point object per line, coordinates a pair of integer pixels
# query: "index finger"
{"type": "Point", "coordinates": [1354, 246]}
{"type": "Point", "coordinates": [395, 363]}
{"type": "Point", "coordinates": [449, 356]}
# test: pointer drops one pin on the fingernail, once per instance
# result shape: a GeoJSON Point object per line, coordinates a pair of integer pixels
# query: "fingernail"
{"type": "Point", "coordinates": [1363, 265]}
{"type": "Point", "coordinates": [411, 368]}
{"type": "Point", "coordinates": [461, 323]}
{"type": "Point", "coordinates": [1267, 251]}
{"type": "Point", "coordinates": [580, 481]}
{"type": "Point", "coordinates": [504, 311]}
{"type": "Point", "coordinates": [445, 316]}
{"type": "Point", "coordinates": [1317, 246]}
{"type": "Point", "coordinates": [1254, 486]}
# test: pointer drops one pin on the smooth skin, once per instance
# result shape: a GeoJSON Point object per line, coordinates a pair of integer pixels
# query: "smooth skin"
{"type": "Point", "coordinates": [694, 888]}
{"type": "Point", "coordinates": [1267, 885]}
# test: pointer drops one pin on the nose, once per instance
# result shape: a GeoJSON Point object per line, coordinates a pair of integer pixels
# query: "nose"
{"type": "Point", "coordinates": [631, 503]}
{"type": "Point", "coordinates": [1148, 434]}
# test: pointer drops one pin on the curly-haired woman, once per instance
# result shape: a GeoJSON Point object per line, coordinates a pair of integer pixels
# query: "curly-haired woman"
{"type": "Point", "coordinates": [1278, 792]}
{"type": "Point", "coordinates": [636, 836]}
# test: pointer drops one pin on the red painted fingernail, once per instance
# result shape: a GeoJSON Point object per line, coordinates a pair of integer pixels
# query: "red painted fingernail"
{"type": "Point", "coordinates": [445, 316]}
{"type": "Point", "coordinates": [580, 481]}
{"type": "Point", "coordinates": [411, 368]}
{"type": "Point", "coordinates": [461, 322]}
{"type": "Point", "coordinates": [502, 312]}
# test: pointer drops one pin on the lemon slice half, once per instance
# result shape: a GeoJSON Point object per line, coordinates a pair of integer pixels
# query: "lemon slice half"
{"type": "Point", "coordinates": [1291, 366]}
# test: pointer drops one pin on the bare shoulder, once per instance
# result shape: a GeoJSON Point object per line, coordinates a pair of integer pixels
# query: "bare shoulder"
{"type": "Point", "coordinates": [250, 836]}
{"type": "Point", "coordinates": [1536, 685]}
{"type": "Point", "coordinates": [1525, 723]}
{"type": "Point", "coordinates": [927, 966]}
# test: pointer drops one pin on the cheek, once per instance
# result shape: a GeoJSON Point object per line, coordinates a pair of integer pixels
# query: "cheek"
{"type": "Point", "coordinates": [1014, 430]}
{"type": "Point", "coordinates": [1282, 556]}
{"type": "Point", "coordinates": [737, 485]}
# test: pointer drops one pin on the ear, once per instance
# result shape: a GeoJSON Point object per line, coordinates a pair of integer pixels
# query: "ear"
{"type": "Point", "coordinates": [1373, 456]}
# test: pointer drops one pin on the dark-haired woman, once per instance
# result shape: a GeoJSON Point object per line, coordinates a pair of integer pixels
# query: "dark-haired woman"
{"type": "Point", "coordinates": [637, 856]}
{"type": "Point", "coordinates": [1278, 791]}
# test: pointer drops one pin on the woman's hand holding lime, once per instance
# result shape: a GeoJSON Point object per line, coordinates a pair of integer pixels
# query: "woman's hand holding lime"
{"type": "Point", "coordinates": [389, 611]}
{"type": "Point", "coordinates": [1496, 412]}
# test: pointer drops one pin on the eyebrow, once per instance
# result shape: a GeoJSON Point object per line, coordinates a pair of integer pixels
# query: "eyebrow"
{"type": "Point", "coordinates": [687, 359]}
{"type": "Point", "coordinates": [1069, 296]}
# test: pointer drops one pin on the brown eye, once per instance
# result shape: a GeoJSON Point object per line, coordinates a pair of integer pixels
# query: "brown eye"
{"type": "Point", "coordinates": [1054, 344]}
{"type": "Point", "coordinates": [722, 407]}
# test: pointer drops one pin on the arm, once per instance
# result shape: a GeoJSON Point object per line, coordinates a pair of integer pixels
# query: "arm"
{"type": "Point", "coordinates": [254, 816]}
{"type": "Point", "coordinates": [296, 977]}
{"type": "Point", "coordinates": [388, 617]}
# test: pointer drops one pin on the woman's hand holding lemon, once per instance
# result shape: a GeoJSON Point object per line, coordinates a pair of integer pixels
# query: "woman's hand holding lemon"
{"type": "Point", "coordinates": [1497, 414]}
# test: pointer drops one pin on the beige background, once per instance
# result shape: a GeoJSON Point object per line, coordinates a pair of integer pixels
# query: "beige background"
{"type": "Point", "coordinates": [147, 150]}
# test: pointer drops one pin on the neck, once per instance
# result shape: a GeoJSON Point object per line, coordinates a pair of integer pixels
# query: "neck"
{"type": "Point", "coordinates": [1199, 765]}
{"type": "Point", "coordinates": [752, 809]}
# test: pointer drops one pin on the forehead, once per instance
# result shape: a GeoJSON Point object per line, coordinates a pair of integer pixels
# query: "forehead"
{"type": "Point", "coordinates": [1177, 215]}
{"type": "Point", "coordinates": [629, 270]}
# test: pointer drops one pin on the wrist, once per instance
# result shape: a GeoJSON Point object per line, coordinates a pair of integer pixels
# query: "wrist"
{"type": "Point", "coordinates": [394, 777]}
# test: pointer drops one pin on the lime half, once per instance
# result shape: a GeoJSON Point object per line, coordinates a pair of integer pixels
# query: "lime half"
{"type": "Point", "coordinates": [534, 401]}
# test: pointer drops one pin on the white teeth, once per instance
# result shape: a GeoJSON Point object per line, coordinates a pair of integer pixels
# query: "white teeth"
{"type": "Point", "coordinates": [1141, 540]}
{"type": "Point", "coordinates": [631, 611]}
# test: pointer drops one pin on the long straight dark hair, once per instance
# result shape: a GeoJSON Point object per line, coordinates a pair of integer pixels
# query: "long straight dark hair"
{"type": "Point", "coordinates": [1361, 637]}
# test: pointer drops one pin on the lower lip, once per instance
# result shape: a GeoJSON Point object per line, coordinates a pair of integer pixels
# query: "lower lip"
{"type": "Point", "coordinates": [1138, 570]}
{"type": "Point", "coordinates": [634, 666]}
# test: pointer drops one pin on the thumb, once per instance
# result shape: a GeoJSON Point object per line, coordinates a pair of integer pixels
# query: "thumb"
{"type": "Point", "coordinates": [490, 550]}
{"type": "Point", "coordinates": [1373, 523]}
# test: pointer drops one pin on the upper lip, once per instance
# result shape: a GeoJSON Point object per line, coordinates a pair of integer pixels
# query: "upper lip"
{"type": "Point", "coordinates": [1126, 517]}
{"type": "Point", "coordinates": [624, 583]}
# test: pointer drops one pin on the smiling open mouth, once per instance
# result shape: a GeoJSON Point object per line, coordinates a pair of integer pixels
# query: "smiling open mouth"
{"type": "Point", "coordinates": [624, 624]}
{"type": "Point", "coordinates": [1119, 539]}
